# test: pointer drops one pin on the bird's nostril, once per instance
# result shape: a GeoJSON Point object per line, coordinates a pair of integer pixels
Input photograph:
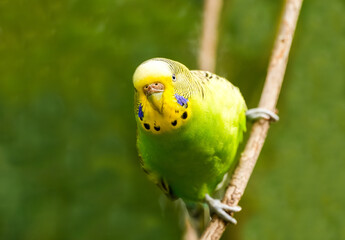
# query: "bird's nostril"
{"type": "Point", "coordinates": [154, 87]}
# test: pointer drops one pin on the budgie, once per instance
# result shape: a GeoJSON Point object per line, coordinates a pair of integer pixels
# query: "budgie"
{"type": "Point", "coordinates": [190, 124]}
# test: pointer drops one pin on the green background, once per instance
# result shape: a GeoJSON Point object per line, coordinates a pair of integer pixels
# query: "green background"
{"type": "Point", "coordinates": [68, 162]}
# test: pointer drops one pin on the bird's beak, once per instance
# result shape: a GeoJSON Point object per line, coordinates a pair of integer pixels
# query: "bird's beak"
{"type": "Point", "coordinates": [153, 88]}
{"type": "Point", "coordinates": [154, 93]}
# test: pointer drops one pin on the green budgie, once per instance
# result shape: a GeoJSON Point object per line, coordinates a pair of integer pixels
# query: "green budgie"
{"type": "Point", "coordinates": [190, 124]}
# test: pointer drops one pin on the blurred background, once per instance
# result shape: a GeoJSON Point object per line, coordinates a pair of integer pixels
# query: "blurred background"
{"type": "Point", "coordinates": [68, 161]}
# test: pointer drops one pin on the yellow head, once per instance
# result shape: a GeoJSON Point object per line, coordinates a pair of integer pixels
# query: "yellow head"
{"type": "Point", "coordinates": [162, 92]}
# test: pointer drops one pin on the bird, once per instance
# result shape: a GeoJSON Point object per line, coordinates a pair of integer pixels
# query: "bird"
{"type": "Point", "coordinates": [189, 127]}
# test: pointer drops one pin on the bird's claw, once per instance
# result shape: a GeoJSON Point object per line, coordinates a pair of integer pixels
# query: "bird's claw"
{"type": "Point", "coordinates": [220, 209]}
{"type": "Point", "coordinates": [256, 113]}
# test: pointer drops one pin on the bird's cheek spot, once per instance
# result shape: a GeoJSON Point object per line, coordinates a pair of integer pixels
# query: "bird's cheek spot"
{"type": "Point", "coordinates": [174, 123]}
{"type": "Point", "coordinates": [147, 126]}
{"type": "Point", "coordinates": [140, 112]}
{"type": "Point", "coordinates": [181, 100]}
{"type": "Point", "coordinates": [157, 128]}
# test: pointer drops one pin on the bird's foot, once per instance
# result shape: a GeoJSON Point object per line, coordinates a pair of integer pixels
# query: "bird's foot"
{"type": "Point", "coordinates": [221, 209]}
{"type": "Point", "coordinates": [256, 113]}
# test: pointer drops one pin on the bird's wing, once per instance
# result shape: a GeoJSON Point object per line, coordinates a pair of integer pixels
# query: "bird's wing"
{"type": "Point", "coordinates": [159, 181]}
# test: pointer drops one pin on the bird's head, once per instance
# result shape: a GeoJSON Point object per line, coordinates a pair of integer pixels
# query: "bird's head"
{"type": "Point", "coordinates": [162, 88]}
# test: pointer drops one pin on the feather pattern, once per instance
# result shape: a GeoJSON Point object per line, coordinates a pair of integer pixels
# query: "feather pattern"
{"type": "Point", "coordinates": [190, 142]}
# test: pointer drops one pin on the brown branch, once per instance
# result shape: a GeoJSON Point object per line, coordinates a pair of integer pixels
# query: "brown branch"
{"type": "Point", "coordinates": [269, 98]}
{"type": "Point", "coordinates": [209, 39]}
{"type": "Point", "coordinates": [207, 61]}
{"type": "Point", "coordinates": [190, 233]}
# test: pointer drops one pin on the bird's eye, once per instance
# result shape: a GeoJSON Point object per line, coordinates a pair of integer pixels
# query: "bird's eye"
{"type": "Point", "coordinates": [173, 78]}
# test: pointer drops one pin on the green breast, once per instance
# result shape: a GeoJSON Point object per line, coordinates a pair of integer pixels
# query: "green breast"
{"type": "Point", "coordinates": [194, 158]}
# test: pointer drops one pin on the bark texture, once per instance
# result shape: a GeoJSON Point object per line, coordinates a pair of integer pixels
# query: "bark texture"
{"type": "Point", "coordinates": [268, 100]}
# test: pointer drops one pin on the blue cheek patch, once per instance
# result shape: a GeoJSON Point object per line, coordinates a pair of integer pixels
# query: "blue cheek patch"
{"type": "Point", "coordinates": [181, 100]}
{"type": "Point", "coordinates": [140, 112]}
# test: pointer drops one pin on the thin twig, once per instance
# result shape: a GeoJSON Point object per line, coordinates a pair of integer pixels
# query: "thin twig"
{"type": "Point", "coordinates": [207, 61]}
{"type": "Point", "coordinates": [209, 38]}
{"type": "Point", "coordinates": [269, 98]}
{"type": "Point", "coordinates": [190, 233]}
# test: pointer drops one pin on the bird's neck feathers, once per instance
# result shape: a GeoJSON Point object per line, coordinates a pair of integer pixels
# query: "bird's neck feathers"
{"type": "Point", "coordinates": [161, 113]}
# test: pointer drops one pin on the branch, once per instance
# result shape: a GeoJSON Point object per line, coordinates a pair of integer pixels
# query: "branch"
{"type": "Point", "coordinates": [207, 61]}
{"type": "Point", "coordinates": [209, 39]}
{"type": "Point", "coordinates": [269, 98]}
